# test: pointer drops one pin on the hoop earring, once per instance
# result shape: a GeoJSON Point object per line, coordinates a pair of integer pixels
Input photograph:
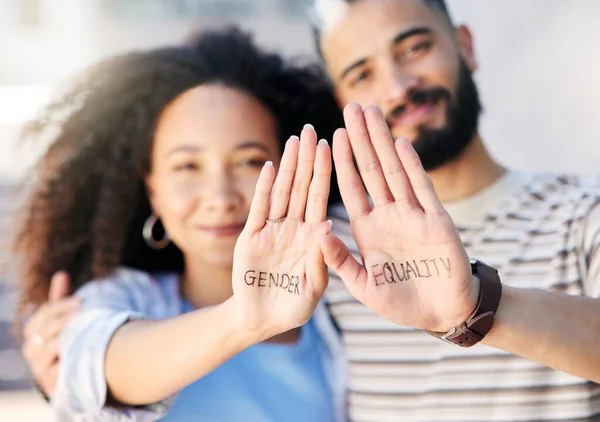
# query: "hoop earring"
{"type": "Point", "coordinates": [149, 237]}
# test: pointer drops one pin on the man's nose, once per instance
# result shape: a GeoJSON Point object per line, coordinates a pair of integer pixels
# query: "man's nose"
{"type": "Point", "coordinates": [397, 84]}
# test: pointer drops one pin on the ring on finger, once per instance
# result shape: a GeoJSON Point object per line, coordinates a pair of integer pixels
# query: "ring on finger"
{"type": "Point", "coordinates": [276, 220]}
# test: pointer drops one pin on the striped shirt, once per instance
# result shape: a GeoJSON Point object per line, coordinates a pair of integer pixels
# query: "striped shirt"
{"type": "Point", "coordinates": [539, 231]}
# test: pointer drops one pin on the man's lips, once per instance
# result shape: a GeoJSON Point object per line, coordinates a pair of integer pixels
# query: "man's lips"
{"type": "Point", "coordinates": [225, 230]}
{"type": "Point", "coordinates": [412, 116]}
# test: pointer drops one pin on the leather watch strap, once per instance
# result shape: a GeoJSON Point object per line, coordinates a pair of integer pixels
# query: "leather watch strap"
{"type": "Point", "coordinates": [476, 328]}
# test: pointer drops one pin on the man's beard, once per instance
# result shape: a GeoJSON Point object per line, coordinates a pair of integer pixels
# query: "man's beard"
{"type": "Point", "coordinates": [437, 147]}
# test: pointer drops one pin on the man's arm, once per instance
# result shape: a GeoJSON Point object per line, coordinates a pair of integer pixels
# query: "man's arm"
{"type": "Point", "coordinates": [556, 329]}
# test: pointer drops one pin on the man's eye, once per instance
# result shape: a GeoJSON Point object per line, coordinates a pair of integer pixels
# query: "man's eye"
{"type": "Point", "coordinates": [417, 48]}
{"type": "Point", "coordinates": [361, 77]}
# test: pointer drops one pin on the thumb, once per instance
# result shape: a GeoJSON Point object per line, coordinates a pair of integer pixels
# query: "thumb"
{"type": "Point", "coordinates": [316, 270]}
{"type": "Point", "coordinates": [59, 286]}
{"type": "Point", "coordinates": [338, 257]}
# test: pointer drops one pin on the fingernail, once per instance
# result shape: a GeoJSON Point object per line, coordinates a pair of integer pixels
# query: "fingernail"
{"type": "Point", "coordinates": [323, 142]}
{"type": "Point", "coordinates": [294, 138]}
{"type": "Point", "coordinates": [309, 126]}
{"type": "Point", "coordinates": [330, 223]}
{"type": "Point", "coordinates": [269, 163]}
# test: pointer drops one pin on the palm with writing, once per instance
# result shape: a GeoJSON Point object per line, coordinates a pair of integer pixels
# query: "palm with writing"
{"type": "Point", "coordinates": [415, 271]}
{"type": "Point", "coordinates": [279, 274]}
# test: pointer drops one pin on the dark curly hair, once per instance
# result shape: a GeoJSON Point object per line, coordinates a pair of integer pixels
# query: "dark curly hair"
{"type": "Point", "coordinates": [87, 203]}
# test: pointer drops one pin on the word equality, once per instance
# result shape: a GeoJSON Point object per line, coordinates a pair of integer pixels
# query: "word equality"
{"type": "Point", "coordinates": [391, 272]}
{"type": "Point", "coordinates": [264, 279]}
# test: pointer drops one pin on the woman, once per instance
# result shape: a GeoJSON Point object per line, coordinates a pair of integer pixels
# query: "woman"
{"type": "Point", "coordinates": [142, 197]}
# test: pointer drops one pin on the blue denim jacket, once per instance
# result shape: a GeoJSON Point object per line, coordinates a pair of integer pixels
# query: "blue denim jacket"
{"type": "Point", "coordinates": [81, 389]}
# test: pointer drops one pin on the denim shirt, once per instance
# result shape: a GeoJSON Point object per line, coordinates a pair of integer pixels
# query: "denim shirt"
{"type": "Point", "coordinates": [81, 389]}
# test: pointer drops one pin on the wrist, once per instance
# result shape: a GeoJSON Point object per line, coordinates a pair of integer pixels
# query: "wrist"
{"type": "Point", "coordinates": [472, 302]}
{"type": "Point", "coordinates": [245, 327]}
{"type": "Point", "coordinates": [479, 324]}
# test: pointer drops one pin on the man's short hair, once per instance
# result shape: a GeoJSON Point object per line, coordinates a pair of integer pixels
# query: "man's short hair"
{"type": "Point", "coordinates": [318, 20]}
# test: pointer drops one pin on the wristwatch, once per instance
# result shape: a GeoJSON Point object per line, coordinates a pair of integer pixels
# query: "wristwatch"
{"type": "Point", "coordinates": [480, 323]}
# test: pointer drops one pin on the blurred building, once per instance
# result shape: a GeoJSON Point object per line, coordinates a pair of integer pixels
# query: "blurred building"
{"type": "Point", "coordinates": [43, 41]}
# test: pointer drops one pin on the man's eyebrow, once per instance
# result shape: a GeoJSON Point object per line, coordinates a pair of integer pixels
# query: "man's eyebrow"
{"type": "Point", "coordinates": [400, 37]}
{"type": "Point", "coordinates": [419, 30]}
{"type": "Point", "coordinates": [353, 66]}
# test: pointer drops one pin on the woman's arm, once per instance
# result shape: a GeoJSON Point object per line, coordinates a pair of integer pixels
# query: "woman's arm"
{"type": "Point", "coordinates": [147, 361]}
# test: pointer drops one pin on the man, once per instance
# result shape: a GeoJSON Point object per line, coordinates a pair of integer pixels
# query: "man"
{"type": "Point", "coordinates": [539, 231]}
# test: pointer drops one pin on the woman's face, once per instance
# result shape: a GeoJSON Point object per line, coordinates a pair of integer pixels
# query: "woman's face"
{"type": "Point", "coordinates": [209, 147]}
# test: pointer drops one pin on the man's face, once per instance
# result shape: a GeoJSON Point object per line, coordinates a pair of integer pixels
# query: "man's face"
{"type": "Point", "coordinates": [404, 57]}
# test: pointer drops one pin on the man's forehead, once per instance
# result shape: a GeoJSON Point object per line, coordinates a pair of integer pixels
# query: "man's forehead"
{"type": "Point", "coordinates": [328, 15]}
{"type": "Point", "coordinates": [359, 31]}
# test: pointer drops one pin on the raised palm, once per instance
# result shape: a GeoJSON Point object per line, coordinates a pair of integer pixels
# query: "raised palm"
{"type": "Point", "coordinates": [415, 271]}
{"type": "Point", "coordinates": [279, 274]}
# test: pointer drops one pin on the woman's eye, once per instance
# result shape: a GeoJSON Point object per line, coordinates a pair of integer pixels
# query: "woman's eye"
{"type": "Point", "coordinates": [257, 162]}
{"type": "Point", "coordinates": [186, 167]}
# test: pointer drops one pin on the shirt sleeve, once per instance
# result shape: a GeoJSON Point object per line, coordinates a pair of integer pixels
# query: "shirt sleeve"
{"type": "Point", "coordinates": [591, 253]}
{"type": "Point", "coordinates": [81, 389]}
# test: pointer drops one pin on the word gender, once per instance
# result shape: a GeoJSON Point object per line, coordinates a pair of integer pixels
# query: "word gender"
{"type": "Point", "coordinates": [264, 279]}
{"type": "Point", "coordinates": [391, 272]}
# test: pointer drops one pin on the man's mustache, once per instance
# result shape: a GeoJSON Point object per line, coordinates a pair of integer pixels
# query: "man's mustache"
{"type": "Point", "coordinates": [419, 97]}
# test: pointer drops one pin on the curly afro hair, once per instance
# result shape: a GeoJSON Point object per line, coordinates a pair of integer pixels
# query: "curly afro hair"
{"type": "Point", "coordinates": [86, 203]}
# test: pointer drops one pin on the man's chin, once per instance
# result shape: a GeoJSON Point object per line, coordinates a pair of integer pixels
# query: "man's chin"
{"type": "Point", "coordinates": [413, 134]}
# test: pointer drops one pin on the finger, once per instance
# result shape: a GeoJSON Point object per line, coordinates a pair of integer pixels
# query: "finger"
{"type": "Point", "coordinates": [318, 193]}
{"type": "Point", "coordinates": [419, 180]}
{"type": "Point", "coordinates": [338, 257]}
{"type": "Point", "coordinates": [316, 269]}
{"type": "Point", "coordinates": [304, 171]}
{"type": "Point", "coordinates": [43, 358]}
{"type": "Point", "coordinates": [48, 384]}
{"type": "Point", "coordinates": [393, 171]}
{"type": "Point", "coordinates": [59, 286]}
{"type": "Point", "coordinates": [55, 326]}
{"type": "Point", "coordinates": [349, 182]}
{"type": "Point", "coordinates": [259, 208]}
{"type": "Point", "coordinates": [367, 161]}
{"type": "Point", "coordinates": [280, 196]}
{"type": "Point", "coordinates": [49, 312]}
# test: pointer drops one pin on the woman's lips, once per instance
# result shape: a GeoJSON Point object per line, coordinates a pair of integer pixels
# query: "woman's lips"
{"type": "Point", "coordinates": [223, 230]}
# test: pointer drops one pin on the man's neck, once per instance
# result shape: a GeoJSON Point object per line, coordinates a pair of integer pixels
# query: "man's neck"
{"type": "Point", "coordinates": [472, 172]}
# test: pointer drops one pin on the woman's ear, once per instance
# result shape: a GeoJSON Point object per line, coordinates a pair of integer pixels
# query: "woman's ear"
{"type": "Point", "coordinates": [149, 183]}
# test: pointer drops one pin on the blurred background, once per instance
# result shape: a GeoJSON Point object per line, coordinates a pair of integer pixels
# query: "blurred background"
{"type": "Point", "coordinates": [539, 79]}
